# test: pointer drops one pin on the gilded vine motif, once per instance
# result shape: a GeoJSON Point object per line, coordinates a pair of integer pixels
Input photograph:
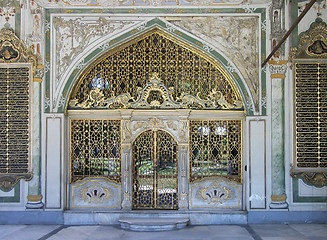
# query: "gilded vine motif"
{"type": "Point", "coordinates": [155, 95]}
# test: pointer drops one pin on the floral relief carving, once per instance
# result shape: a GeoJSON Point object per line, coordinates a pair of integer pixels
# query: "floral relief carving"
{"type": "Point", "coordinates": [172, 125]}
{"type": "Point", "coordinates": [95, 194]}
{"type": "Point", "coordinates": [215, 193]}
{"type": "Point", "coordinates": [238, 38]}
{"type": "Point", "coordinates": [126, 131]}
{"type": "Point", "coordinates": [115, 3]}
{"type": "Point", "coordinates": [73, 35]}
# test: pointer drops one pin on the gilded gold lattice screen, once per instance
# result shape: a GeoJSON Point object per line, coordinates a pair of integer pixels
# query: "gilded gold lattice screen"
{"type": "Point", "coordinates": [311, 114]}
{"type": "Point", "coordinates": [95, 149]}
{"type": "Point", "coordinates": [14, 123]}
{"type": "Point", "coordinates": [191, 77]}
{"type": "Point", "coordinates": [155, 179]}
{"type": "Point", "coordinates": [216, 149]}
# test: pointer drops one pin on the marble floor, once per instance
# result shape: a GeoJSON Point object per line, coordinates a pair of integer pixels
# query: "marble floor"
{"type": "Point", "coordinates": [209, 232]}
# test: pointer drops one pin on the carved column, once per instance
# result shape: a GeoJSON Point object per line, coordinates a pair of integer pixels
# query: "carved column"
{"type": "Point", "coordinates": [34, 186]}
{"type": "Point", "coordinates": [278, 197]}
{"type": "Point", "coordinates": [183, 165]}
{"type": "Point", "coordinates": [126, 162]}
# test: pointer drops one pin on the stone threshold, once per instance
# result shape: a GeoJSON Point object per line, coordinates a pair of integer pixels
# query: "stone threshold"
{"type": "Point", "coordinates": [195, 217]}
{"type": "Point", "coordinates": [153, 224]}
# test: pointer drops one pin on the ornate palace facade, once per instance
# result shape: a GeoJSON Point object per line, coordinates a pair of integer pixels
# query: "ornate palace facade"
{"type": "Point", "coordinates": [109, 107]}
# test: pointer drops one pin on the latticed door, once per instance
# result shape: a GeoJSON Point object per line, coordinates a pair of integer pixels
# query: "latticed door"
{"type": "Point", "coordinates": [155, 180]}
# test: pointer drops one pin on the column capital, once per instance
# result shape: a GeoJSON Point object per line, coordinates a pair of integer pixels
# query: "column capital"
{"type": "Point", "coordinates": [277, 69]}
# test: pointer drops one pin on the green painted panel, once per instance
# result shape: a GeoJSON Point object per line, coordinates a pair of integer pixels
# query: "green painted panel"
{"type": "Point", "coordinates": [15, 198]}
{"type": "Point", "coordinates": [300, 199]}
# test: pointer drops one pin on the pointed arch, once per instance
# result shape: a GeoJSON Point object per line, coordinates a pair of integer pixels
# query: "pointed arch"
{"type": "Point", "coordinates": [156, 25]}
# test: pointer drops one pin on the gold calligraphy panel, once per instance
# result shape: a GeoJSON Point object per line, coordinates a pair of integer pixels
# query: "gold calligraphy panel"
{"type": "Point", "coordinates": [311, 114]}
{"type": "Point", "coordinates": [14, 125]}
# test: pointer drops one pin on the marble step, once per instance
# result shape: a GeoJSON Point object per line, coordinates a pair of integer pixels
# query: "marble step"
{"type": "Point", "coordinates": [153, 224]}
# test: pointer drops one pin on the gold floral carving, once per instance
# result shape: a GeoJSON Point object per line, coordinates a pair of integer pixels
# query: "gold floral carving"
{"type": "Point", "coordinates": [155, 95]}
{"type": "Point", "coordinates": [317, 179]}
{"type": "Point", "coordinates": [95, 194]}
{"type": "Point", "coordinates": [312, 43]}
{"type": "Point", "coordinates": [215, 193]}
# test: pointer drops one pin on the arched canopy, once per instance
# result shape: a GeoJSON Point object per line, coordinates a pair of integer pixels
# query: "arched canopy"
{"type": "Point", "coordinates": [155, 70]}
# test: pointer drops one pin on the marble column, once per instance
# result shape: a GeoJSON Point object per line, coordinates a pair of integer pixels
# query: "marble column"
{"type": "Point", "coordinates": [183, 186]}
{"type": "Point", "coordinates": [126, 161]}
{"type": "Point", "coordinates": [183, 164]}
{"type": "Point", "coordinates": [34, 198]}
{"type": "Point", "coordinates": [278, 197]}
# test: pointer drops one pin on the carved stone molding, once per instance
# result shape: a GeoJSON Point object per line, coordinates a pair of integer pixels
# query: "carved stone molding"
{"type": "Point", "coordinates": [236, 37]}
{"type": "Point", "coordinates": [146, 3]}
{"type": "Point", "coordinates": [73, 35]}
{"type": "Point", "coordinates": [7, 182]}
{"type": "Point", "coordinates": [277, 69]}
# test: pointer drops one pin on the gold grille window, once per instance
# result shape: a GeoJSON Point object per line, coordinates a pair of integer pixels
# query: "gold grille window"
{"type": "Point", "coordinates": [180, 69]}
{"type": "Point", "coordinates": [215, 149]}
{"type": "Point", "coordinates": [95, 149]}
{"type": "Point", "coordinates": [311, 114]}
{"type": "Point", "coordinates": [14, 120]}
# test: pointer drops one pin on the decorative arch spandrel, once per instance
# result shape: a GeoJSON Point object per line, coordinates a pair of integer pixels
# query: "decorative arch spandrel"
{"type": "Point", "coordinates": [155, 71]}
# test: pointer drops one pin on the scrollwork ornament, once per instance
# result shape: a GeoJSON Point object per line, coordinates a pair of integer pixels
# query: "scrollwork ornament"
{"type": "Point", "coordinates": [126, 131]}
{"type": "Point", "coordinates": [317, 179]}
{"type": "Point", "coordinates": [215, 193]}
{"type": "Point", "coordinates": [312, 43]}
{"type": "Point", "coordinates": [279, 69]}
{"type": "Point", "coordinates": [12, 49]}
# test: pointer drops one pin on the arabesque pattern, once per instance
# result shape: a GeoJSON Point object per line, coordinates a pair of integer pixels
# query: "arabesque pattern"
{"type": "Point", "coordinates": [95, 149]}
{"type": "Point", "coordinates": [215, 149]}
{"type": "Point", "coordinates": [181, 69]}
{"type": "Point", "coordinates": [155, 181]}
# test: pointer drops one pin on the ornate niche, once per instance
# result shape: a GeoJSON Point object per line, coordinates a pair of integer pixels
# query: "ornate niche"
{"type": "Point", "coordinates": [155, 71]}
{"type": "Point", "coordinates": [312, 43]}
{"type": "Point", "coordinates": [17, 66]}
{"type": "Point", "coordinates": [310, 106]}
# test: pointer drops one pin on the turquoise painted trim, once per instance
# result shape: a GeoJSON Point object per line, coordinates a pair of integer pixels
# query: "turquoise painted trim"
{"type": "Point", "coordinates": [263, 57]}
{"type": "Point", "coordinates": [47, 60]}
{"type": "Point", "coordinates": [294, 15]}
{"type": "Point", "coordinates": [17, 21]}
{"type": "Point", "coordinates": [154, 10]}
{"type": "Point", "coordinates": [299, 199]}
{"type": "Point", "coordinates": [15, 198]}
